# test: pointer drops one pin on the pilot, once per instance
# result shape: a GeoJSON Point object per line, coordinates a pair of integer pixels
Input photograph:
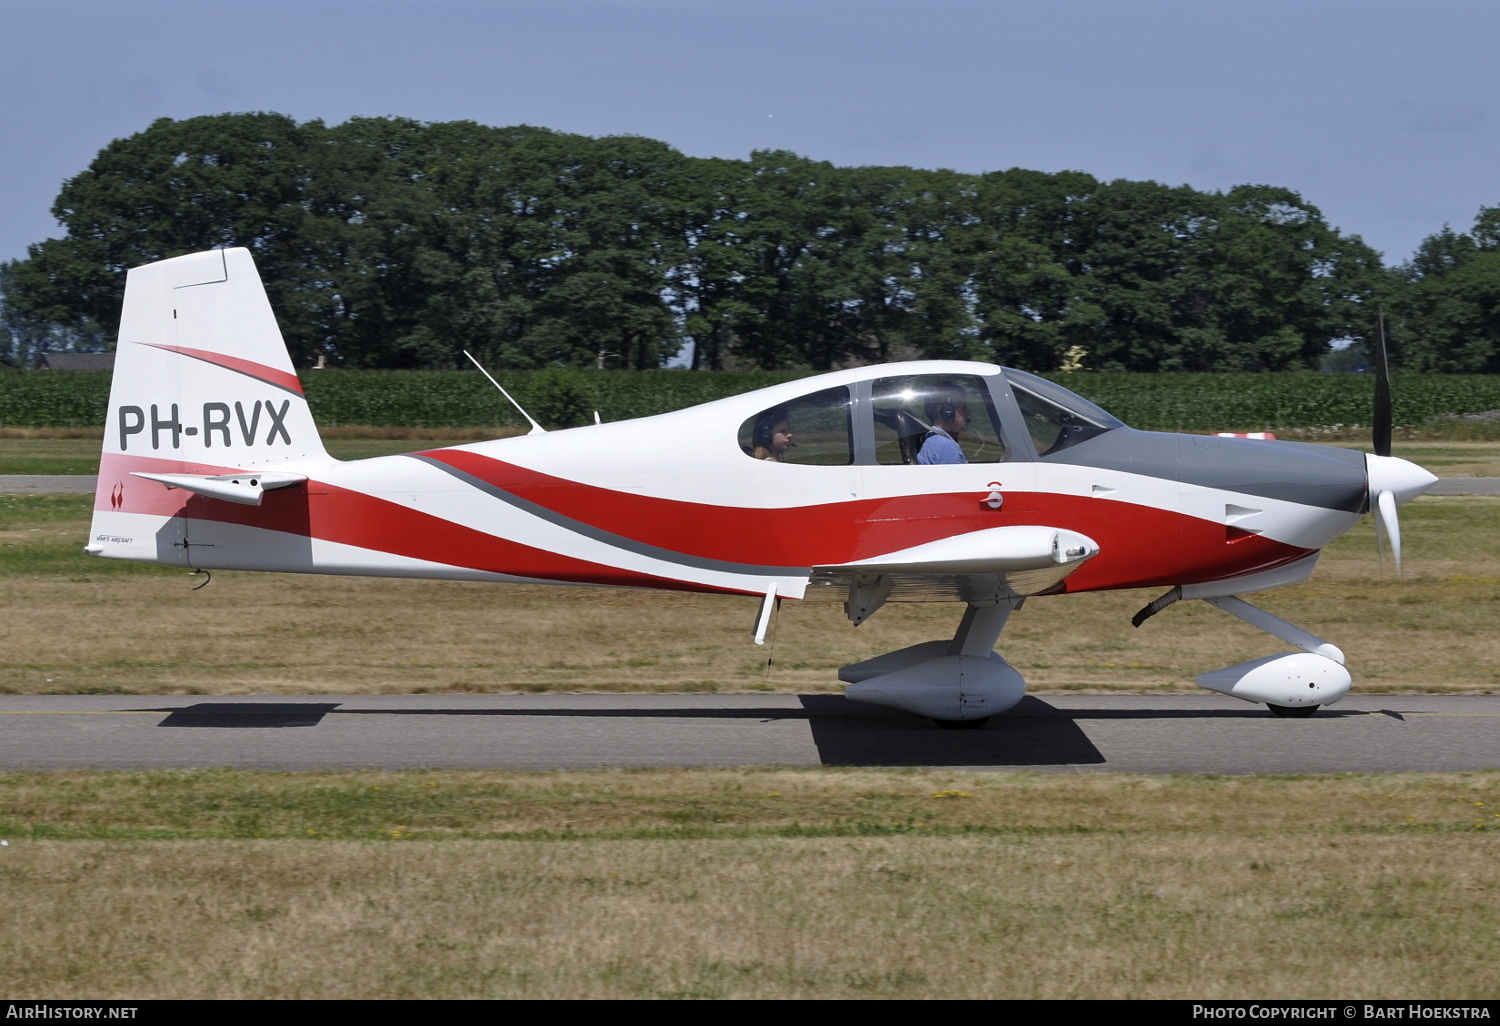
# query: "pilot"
{"type": "Point", "coordinates": [949, 414]}
{"type": "Point", "coordinates": [773, 435]}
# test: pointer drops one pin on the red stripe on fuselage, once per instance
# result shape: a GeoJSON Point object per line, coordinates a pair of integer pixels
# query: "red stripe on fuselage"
{"type": "Point", "coordinates": [1140, 546]}
{"type": "Point", "coordinates": [258, 371]}
{"type": "Point", "coordinates": [329, 513]}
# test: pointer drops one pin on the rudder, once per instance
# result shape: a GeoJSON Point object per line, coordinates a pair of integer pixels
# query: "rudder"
{"type": "Point", "coordinates": [202, 374]}
{"type": "Point", "coordinates": [203, 385]}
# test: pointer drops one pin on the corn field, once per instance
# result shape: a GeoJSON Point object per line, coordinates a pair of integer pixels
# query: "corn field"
{"type": "Point", "coordinates": [1161, 402]}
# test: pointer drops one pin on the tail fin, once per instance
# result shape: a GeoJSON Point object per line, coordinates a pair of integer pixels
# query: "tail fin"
{"type": "Point", "coordinates": [203, 383]}
{"type": "Point", "coordinates": [202, 375]}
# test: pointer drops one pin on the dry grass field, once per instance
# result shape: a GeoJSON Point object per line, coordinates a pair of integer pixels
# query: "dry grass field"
{"type": "Point", "coordinates": [732, 883]}
{"type": "Point", "coordinates": [747, 883]}
{"type": "Point", "coordinates": [81, 625]}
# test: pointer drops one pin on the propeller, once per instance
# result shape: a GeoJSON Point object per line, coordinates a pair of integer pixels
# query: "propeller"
{"type": "Point", "coordinates": [1392, 481]}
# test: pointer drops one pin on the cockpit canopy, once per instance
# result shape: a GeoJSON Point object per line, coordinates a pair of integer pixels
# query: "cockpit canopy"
{"type": "Point", "coordinates": [926, 418]}
{"type": "Point", "coordinates": [814, 429]}
{"type": "Point", "coordinates": [920, 417]}
{"type": "Point", "coordinates": [1055, 417]}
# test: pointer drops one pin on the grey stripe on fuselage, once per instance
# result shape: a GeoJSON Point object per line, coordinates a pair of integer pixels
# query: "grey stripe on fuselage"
{"type": "Point", "coordinates": [1313, 475]}
{"type": "Point", "coordinates": [600, 535]}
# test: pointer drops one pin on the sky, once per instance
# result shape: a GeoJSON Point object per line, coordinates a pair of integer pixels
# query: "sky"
{"type": "Point", "coordinates": [1384, 115]}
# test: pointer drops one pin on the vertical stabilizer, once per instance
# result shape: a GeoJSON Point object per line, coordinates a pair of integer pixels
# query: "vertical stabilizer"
{"type": "Point", "coordinates": [201, 372]}
{"type": "Point", "coordinates": [203, 384]}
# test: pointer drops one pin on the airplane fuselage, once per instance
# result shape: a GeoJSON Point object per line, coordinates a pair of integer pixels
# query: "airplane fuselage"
{"type": "Point", "coordinates": [933, 480]}
{"type": "Point", "coordinates": [673, 501]}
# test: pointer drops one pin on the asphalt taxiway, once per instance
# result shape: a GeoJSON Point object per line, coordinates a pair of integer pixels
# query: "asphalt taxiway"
{"type": "Point", "coordinates": [1070, 733]}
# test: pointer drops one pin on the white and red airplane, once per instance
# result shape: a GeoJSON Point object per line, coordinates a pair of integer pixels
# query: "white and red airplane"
{"type": "Point", "coordinates": [915, 481]}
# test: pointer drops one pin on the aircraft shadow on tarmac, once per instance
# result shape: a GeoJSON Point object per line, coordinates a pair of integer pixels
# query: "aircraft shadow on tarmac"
{"type": "Point", "coordinates": [848, 734]}
{"type": "Point", "coordinates": [845, 733]}
{"type": "Point", "coordinates": [249, 714]}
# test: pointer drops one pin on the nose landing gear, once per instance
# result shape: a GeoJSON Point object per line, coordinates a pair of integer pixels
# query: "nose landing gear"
{"type": "Point", "coordinates": [1291, 685]}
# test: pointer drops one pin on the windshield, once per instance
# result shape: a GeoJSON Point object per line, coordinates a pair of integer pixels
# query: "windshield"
{"type": "Point", "coordinates": [1055, 417]}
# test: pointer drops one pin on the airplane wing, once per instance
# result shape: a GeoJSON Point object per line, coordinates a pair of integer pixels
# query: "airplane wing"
{"type": "Point", "coordinates": [999, 563]}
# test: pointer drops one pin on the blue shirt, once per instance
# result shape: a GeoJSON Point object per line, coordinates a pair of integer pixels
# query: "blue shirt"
{"type": "Point", "coordinates": [939, 447]}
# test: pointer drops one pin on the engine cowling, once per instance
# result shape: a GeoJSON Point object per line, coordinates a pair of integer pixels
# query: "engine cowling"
{"type": "Point", "coordinates": [1293, 680]}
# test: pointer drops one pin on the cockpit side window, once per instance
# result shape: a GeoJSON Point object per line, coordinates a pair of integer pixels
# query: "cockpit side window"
{"type": "Point", "coordinates": [813, 430]}
{"type": "Point", "coordinates": [1055, 417]}
{"type": "Point", "coordinates": [936, 418]}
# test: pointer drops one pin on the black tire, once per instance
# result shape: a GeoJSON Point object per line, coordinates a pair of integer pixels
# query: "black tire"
{"type": "Point", "coordinates": [1292, 712]}
{"type": "Point", "coordinates": [962, 724]}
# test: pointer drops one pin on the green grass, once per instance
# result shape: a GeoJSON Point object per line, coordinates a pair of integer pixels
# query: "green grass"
{"type": "Point", "coordinates": [81, 455]}
{"type": "Point", "coordinates": [1437, 457]}
{"type": "Point", "coordinates": [51, 464]}
{"type": "Point", "coordinates": [29, 512]}
{"type": "Point", "coordinates": [64, 558]}
{"type": "Point", "coordinates": [405, 398]}
{"type": "Point", "coordinates": [44, 535]}
{"type": "Point", "coordinates": [445, 805]}
{"type": "Point", "coordinates": [43, 451]}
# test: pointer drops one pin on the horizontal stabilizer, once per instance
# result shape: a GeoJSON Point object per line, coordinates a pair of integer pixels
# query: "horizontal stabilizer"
{"type": "Point", "coordinates": [245, 489]}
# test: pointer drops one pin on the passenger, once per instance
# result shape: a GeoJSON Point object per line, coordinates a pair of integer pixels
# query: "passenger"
{"type": "Point", "coordinates": [949, 414]}
{"type": "Point", "coordinates": [773, 435]}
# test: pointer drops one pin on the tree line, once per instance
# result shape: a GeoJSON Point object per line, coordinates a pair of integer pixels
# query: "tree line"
{"type": "Point", "coordinates": [391, 243]}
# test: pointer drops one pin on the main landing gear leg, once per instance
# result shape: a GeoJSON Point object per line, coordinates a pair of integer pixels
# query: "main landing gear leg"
{"type": "Point", "coordinates": [959, 684]}
{"type": "Point", "coordinates": [976, 636]}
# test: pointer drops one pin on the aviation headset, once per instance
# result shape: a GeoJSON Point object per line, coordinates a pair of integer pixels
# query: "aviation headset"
{"type": "Point", "coordinates": [765, 425]}
{"type": "Point", "coordinates": [946, 408]}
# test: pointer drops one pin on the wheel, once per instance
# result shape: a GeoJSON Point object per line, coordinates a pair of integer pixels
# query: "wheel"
{"type": "Point", "coordinates": [1292, 712]}
{"type": "Point", "coordinates": [962, 724]}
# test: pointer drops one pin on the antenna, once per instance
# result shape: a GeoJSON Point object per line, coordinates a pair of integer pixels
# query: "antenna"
{"type": "Point", "coordinates": [536, 429]}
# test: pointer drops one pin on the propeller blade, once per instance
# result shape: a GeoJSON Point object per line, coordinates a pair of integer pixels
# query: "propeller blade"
{"type": "Point", "coordinates": [1385, 513]}
{"type": "Point", "coordinates": [1379, 536]}
{"type": "Point", "coordinates": [1391, 482]}
{"type": "Point", "coordinates": [1381, 421]}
